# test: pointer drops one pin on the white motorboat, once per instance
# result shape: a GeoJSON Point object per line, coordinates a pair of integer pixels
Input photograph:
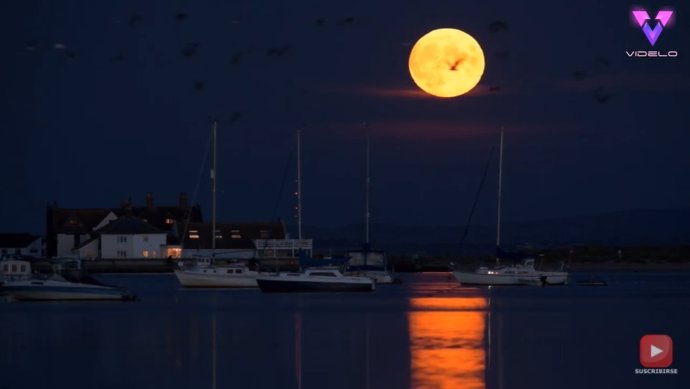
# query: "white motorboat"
{"type": "Point", "coordinates": [315, 280]}
{"type": "Point", "coordinates": [58, 288]}
{"type": "Point", "coordinates": [523, 273]}
{"type": "Point", "coordinates": [212, 276]}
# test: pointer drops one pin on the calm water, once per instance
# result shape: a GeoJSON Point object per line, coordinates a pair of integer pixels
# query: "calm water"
{"type": "Point", "coordinates": [426, 333]}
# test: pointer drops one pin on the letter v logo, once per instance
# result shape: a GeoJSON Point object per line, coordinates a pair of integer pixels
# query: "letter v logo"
{"type": "Point", "coordinates": [660, 21]}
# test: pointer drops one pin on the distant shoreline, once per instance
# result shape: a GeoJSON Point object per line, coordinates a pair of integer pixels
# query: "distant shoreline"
{"type": "Point", "coordinates": [397, 264]}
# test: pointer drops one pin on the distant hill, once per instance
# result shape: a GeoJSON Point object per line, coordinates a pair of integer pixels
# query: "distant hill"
{"type": "Point", "coordinates": [626, 228]}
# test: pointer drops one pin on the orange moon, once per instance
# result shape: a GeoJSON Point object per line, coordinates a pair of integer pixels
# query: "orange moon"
{"type": "Point", "coordinates": [446, 62]}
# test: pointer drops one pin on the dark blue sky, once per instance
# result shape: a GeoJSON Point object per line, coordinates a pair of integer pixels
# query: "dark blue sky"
{"type": "Point", "coordinates": [587, 128]}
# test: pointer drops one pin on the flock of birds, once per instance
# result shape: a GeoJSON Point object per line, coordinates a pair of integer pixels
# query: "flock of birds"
{"type": "Point", "coordinates": [190, 50]}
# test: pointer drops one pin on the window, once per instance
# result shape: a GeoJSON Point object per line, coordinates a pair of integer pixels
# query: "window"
{"type": "Point", "coordinates": [174, 252]}
{"type": "Point", "coordinates": [193, 234]}
{"type": "Point", "coordinates": [169, 220]}
{"type": "Point", "coordinates": [14, 268]}
{"type": "Point", "coordinates": [263, 234]}
{"type": "Point", "coordinates": [145, 253]}
{"type": "Point", "coordinates": [235, 234]}
{"type": "Point", "coordinates": [22, 268]}
{"type": "Point", "coordinates": [122, 253]}
{"type": "Point", "coordinates": [219, 234]}
{"type": "Point", "coordinates": [122, 239]}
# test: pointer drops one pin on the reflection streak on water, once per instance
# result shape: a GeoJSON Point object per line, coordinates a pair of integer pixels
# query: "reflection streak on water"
{"type": "Point", "coordinates": [447, 342]}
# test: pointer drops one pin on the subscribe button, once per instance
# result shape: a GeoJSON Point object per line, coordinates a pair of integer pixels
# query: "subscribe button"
{"type": "Point", "coordinates": [656, 351]}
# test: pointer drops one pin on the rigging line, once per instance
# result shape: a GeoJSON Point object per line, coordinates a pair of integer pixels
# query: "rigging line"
{"type": "Point", "coordinates": [476, 198]}
{"type": "Point", "coordinates": [282, 185]}
{"type": "Point", "coordinates": [196, 189]}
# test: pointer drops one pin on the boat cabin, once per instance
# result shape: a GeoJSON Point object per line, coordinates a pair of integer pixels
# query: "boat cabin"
{"type": "Point", "coordinates": [12, 269]}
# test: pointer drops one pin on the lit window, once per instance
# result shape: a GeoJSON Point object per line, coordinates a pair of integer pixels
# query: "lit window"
{"type": "Point", "coordinates": [193, 234]}
{"type": "Point", "coordinates": [145, 253]}
{"type": "Point", "coordinates": [235, 234]}
{"type": "Point", "coordinates": [174, 252]}
{"type": "Point", "coordinates": [219, 234]}
{"type": "Point", "coordinates": [169, 220]}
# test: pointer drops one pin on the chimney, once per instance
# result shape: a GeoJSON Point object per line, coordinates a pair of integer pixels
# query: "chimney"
{"type": "Point", "coordinates": [184, 201]}
{"type": "Point", "coordinates": [149, 201]}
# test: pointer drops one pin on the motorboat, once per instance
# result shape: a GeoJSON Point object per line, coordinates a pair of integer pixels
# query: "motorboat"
{"type": "Point", "coordinates": [215, 276]}
{"type": "Point", "coordinates": [522, 273]}
{"type": "Point", "coordinates": [57, 287]}
{"type": "Point", "coordinates": [315, 280]}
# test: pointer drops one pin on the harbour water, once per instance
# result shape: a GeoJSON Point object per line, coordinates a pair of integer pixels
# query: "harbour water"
{"type": "Point", "coordinates": [426, 333]}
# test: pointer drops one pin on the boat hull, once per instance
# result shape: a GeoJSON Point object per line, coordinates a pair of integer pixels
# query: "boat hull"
{"type": "Point", "coordinates": [61, 291]}
{"type": "Point", "coordinates": [199, 279]}
{"type": "Point", "coordinates": [279, 285]}
{"type": "Point", "coordinates": [543, 278]}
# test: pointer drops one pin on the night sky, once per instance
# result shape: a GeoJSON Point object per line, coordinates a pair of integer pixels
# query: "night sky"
{"type": "Point", "coordinates": [106, 100]}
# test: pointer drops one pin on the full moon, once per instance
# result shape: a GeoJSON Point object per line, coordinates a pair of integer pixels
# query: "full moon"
{"type": "Point", "coordinates": [446, 62]}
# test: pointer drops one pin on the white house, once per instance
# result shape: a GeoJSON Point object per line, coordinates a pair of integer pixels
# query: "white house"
{"type": "Point", "coordinates": [127, 237]}
{"type": "Point", "coordinates": [25, 245]}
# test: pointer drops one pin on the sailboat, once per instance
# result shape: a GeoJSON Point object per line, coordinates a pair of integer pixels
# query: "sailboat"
{"type": "Point", "coordinates": [318, 275]}
{"type": "Point", "coordinates": [206, 274]}
{"type": "Point", "coordinates": [367, 262]}
{"type": "Point", "coordinates": [522, 273]}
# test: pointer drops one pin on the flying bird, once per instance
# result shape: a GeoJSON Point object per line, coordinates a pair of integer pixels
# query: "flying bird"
{"type": "Point", "coordinates": [118, 58]}
{"type": "Point", "coordinates": [579, 75]}
{"type": "Point", "coordinates": [191, 49]}
{"type": "Point", "coordinates": [278, 51]}
{"type": "Point", "coordinates": [454, 65]}
{"type": "Point", "coordinates": [235, 116]}
{"type": "Point", "coordinates": [503, 54]}
{"type": "Point", "coordinates": [601, 96]}
{"type": "Point", "coordinates": [347, 20]}
{"type": "Point", "coordinates": [602, 61]}
{"type": "Point", "coordinates": [498, 26]}
{"type": "Point", "coordinates": [135, 20]}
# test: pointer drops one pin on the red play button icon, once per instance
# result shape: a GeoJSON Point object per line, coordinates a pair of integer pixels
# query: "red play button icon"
{"type": "Point", "coordinates": [656, 351]}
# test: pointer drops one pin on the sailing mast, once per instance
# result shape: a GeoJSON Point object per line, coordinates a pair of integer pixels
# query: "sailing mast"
{"type": "Point", "coordinates": [500, 179]}
{"type": "Point", "coordinates": [213, 190]}
{"type": "Point", "coordinates": [368, 185]}
{"type": "Point", "coordinates": [299, 186]}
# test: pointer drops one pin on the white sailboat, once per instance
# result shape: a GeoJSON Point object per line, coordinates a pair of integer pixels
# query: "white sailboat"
{"type": "Point", "coordinates": [206, 274]}
{"type": "Point", "coordinates": [367, 262]}
{"type": "Point", "coordinates": [522, 273]}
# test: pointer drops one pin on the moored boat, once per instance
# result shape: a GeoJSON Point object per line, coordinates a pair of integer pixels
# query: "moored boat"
{"type": "Point", "coordinates": [58, 288]}
{"type": "Point", "coordinates": [315, 280]}
{"type": "Point", "coordinates": [230, 276]}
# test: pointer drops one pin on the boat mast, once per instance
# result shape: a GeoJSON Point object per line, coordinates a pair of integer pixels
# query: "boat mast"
{"type": "Point", "coordinates": [368, 184]}
{"type": "Point", "coordinates": [500, 179]}
{"type": "Point", "coordinates": [213, 190]}
{"type": "Point", "coordinates": [299, 185]}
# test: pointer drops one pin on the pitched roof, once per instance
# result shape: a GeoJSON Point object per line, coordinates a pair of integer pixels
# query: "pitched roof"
{"type": "Point", "coordinates": [83, 220]}
{"type": "Point", "coordinates": [129, 226]}
{"type": "Point", "coordinates": [13, 240]}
